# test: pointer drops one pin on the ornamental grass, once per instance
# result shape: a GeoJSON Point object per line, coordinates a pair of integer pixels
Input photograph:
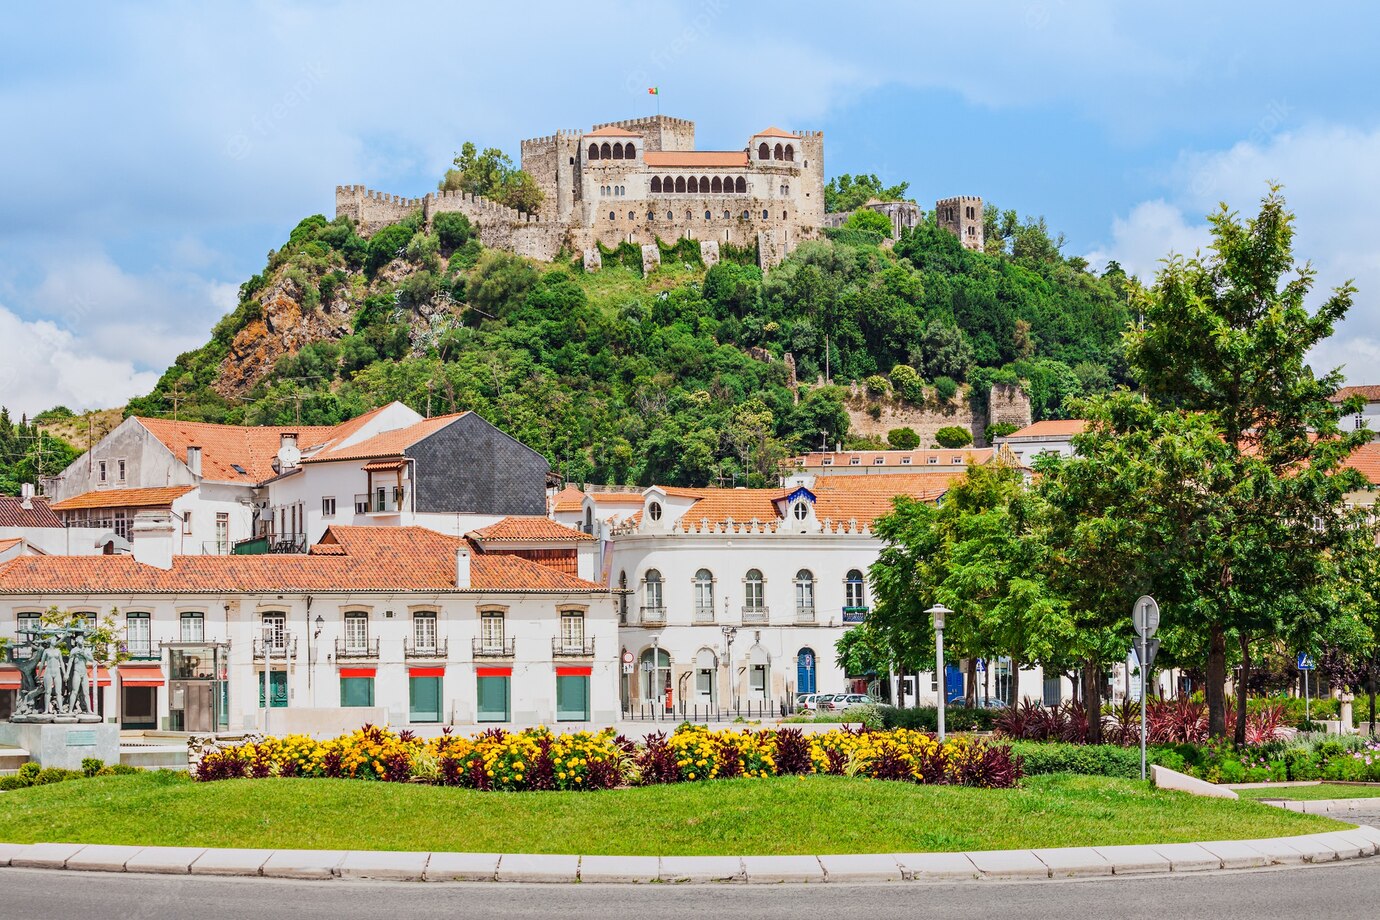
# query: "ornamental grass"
{"type": "Point", "coordinates": [537, 759]}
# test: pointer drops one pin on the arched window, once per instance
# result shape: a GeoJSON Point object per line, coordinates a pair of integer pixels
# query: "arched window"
{"type": "Point", "coordinates": [668, 185]}
{"type": "Point", "coordinates": [670, 216]}
{"type": "Point", "coordinates": [717, 186]}
{"type": "Point", "coordinates": [704, 185]}
{"type": "Point", "coordinates": [693, 186]}
{"type": "Point", "coordinates": [854, 593]}
{"type": "Point", "coordinates": [765, 214]}
{"type": "Point", "coordinates": [605, 151]}
{"type": "Point", "coordinates": [783, 215]}
{"type": "Point", "coordinates": [706, 215]}
{"type": "Point", "coordinates": [778, 153]}
{"type": "Point", "coordinates": [656, 185]}
{"type": "Point", "coordinates": [704, 596]}
{"type": "Point", "coordinates": [630, 215]}
{"type": "Point", "coordinates": [630, 151]}
{"type": "Point", "coordinates": [805, 593]}
{"type": "Point", "coordinates": [594, 151]}
{"type": "Point", "coordinates": [741, 185]}
{"type": "Point", "coordinates": [656, 670]}
{"type": "Point", "coordinates": [763, 151]}
{"type": "Point", "coordinates": [611, 217]}
{"type": "Point", "coordinates": [680, 183]}
{"type": "Point", "coordinates": [654, 511]}
{"type": "Point", "coordinates": [652, 598]}
{"type": "Point", "coordinates": [790, 153]}
{"type": "Point", "coordinates": [746, 215]}
{"type": "Point", "coordinates": [618, 151]}
{"type": "Point", "coordinates": [706, 666]}
{"type": "Point", "coordinates": [754, 601]}
{"type": "Point", "coordinates": [689, 214]}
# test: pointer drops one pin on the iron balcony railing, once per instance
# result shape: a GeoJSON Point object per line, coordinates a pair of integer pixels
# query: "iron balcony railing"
{"type": "Point", "coordinates": [805, 614]}
{"type": "Point", "coordinates": [367, 649]}
{"type": "Point", "coordinates": [144, 650]}
{"type": "Point", "coordinates": [704, 614]}
{"type": "Point", "coordinates": [572, 648]}
{"type": "Point", "coordinates": [492, 648]}
{"type": "Point", "coordinates": [437, 649]}
{"type": "Point", "coordinates": [754, 614]}
{"type": "Point", "coordinates": [653, 616]}
{"type": "Point", "coordinates": [854, 614]}
{"type": "Point", "coordinates": [286, 647]}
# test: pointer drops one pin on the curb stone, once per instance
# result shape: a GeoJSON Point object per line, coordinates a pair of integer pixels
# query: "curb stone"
{"type": "Point", "coordinates": [1057, 863]}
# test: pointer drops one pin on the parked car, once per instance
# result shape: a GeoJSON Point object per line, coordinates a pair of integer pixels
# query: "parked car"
{"type": "Point", "coordinates": [807, 702]}
{"type": "Point", "coordinates": [838, 702]}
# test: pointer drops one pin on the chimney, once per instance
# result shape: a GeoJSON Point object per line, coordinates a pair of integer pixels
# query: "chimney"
{"type": "Point", "coordinates": [153, 539]}
{"type": "Point", "coordinates": [194, 460]}
{"type": "Point", "coordinates": [26, 492]}
{"type": "Point", "coordinates": [462, 567]}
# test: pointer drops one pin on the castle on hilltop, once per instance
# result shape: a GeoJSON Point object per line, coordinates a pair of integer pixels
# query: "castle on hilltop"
{"type": "Point", "coordinates": [640, 181]}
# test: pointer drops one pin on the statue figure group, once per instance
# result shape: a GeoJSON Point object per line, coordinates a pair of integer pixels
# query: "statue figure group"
{"type": "Point", "coordinates": [54, 687]}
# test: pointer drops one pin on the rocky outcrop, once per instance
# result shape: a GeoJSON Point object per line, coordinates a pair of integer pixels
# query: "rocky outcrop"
{"type": "Point", "coordinates": [282, 328]}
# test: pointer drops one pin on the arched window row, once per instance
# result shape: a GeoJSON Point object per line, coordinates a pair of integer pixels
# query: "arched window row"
{"type": "Point", "coordinates": [766, 152]}
{"type": "Point", "coordinates": [618, 151]}
{"type": "Point", "coordinates": [615, 191]}
{"type": "Point", "coordinates": [699, 185]}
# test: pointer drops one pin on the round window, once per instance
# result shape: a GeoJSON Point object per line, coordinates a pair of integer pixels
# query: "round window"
{"type": "Point", "coordinates": [654, 511]}
{"type": "Point", "coordinates": [801, 512]}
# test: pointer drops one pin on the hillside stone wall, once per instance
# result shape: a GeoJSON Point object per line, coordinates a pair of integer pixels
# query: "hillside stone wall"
{"type": "Point", "coordinates": [1004, 404]}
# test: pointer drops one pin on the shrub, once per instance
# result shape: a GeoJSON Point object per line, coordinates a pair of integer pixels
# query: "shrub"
{"type": "Point", "coordinates": [999, 430]}
{"type": "Point", "coordinates": [903, 439]}
{"type": "Point", "coordinates": [452, 229]}
{"type": "Point", "coordinates": [905, 380]}
{"type": "Point", "coordinates": [11, 783]}
{"type": "Point", "coordinates": [926, 718]}
{"type": "Point", "coordinates": [869, 220]}
{"type": "Point", "coordinates": [49, 775]}
{"type": "Point", "coordinates": [945, 388]}
{"type": "Point", "coordinates": [877, 385]}
{"type": "Point", "coordinates": [952, 436]}
{"type": "Point", "coordinates": [90, 766]}
{"type": "Point", "coordinates": [29, 772]}
{"type": "Point", "coordinates": [1084, 759]}
{"type": "Point", "coordinates": [874, 410]}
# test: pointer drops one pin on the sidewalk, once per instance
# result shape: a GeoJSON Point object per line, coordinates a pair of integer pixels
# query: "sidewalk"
{"type": "Point", "coordinates": [1072, 862]}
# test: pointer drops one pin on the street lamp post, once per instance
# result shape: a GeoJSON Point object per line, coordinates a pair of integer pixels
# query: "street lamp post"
{"type": "Point", "coordinates": [937, 614]}
{"type": "Point", "coordinates": [729, 633]}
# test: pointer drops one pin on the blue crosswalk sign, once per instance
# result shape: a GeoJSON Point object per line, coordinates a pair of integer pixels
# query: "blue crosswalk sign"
{"type": "Point", "coordinates": [1306, 662]}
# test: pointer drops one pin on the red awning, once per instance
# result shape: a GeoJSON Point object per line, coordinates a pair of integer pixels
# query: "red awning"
{"type": "Point", "coordinates": [139, 676]}
{"type": "Point", "coordinates": [493, 672]}
{"type": "Point", "coordinates": [9, 679]}
{"type": "Point", "coordinates": [102, 677]}
{"type": "Point", "coordinates": [426, 672]}
{"type": "Point", "coordinates": [358, 672]}
{"type": "Point", "coordinates": [579, 670]}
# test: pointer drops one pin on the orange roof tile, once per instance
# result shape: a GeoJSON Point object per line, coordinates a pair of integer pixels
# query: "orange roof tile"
{"type": "Point", "coordinates": [742, 505]}
{"type": "Point", "coordinates": [12, 542]}
{"type": "Point", "coordinates": [348, 559]}
{"type": "Point", "coordinates": [1051, 428]}
{"type": "Point", "coordinates": [1366, 460]}
{"type": "Point", "coordinates": [612, 131]}
{"type": "Point", "coordinates": [774, 131]}
{"type": "Point", "coordinates": [387, 443]}
{"type": "Point", "coordinates": [568, 499]}
{"type": "Point", "coordinates": [528, 528]}
{"type": "Point", "coordinates": [156, 497]}
{"type": "Point", "coordinates": [1369, 392]}
{"type": "Point", "coordinates": [696, 159]}
{"type": "Point", "coordinates": [893, 458]}
{"type": "Point", "coordinates": [38, 514]}
{"type": "Point", "coordinates": [253, 448]}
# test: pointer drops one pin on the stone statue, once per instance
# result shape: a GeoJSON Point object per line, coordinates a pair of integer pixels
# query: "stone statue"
{"type": "Point", "coordinates": [79, 661]}
{"type": "Point", "coordinates": [54, 674]}
{"type": "Point", "coordinates": [53, 686]}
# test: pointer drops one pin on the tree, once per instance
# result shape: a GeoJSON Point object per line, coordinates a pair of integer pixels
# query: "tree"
{"type": "Point", "coordinates": [942, 351]}
{"type": "Point", "coordinates": [902, 439]}
{"type": "Point", "coordinates": [869, 220]}
{"type": "Point", "coordinates": [907, 384]}
{"type": "Point", "coordinates": [953, 436]}
{"type": "Point", "coordinates": [848, 193]}
{"type": "Point", "coordinates": [492, 175]}
{"type": "Point", "coordinates": [1225, 339]}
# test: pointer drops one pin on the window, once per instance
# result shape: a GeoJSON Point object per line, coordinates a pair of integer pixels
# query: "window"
{"type": "Point", "coordinates": [680, 186]}
{"type": "Point", "coordinates": [594, 151]}
{"type": "Point", "coordinates": [1053, 691]}
{"type": "Point", "coordinates": [193, 627]}
{"type": "Point", "coordinates": [491, 630]}
{"type": "Point", "coordinates": [763, 151]}
{"type": "Point", "coordinates": [630, 215]}
{"type": "Point", "coordinates": [572, 697]}
{"type": "Point", "coordinates": [905, 461]}
{"type": "Point", "coordinates": [186, 523]}
{"type": "Point", "coordinates": [120, 470]}
{"type": "Point", "coordinates": [222, 531]}
{"type": "Point", "coordinates": [654, 511]}
{"type": "Point", "coordinates": [693, 185]}
{"type": "Point", "coordinates": [100, 471]}
{"type": "Point", "coordinates": [765, 214]}
{"type": "Point", "coordinates": [853, 593]}
{"type": "Point", "coordinates": [932, 460]}
{"type": "Point", "coordinates": [605, 151]}
{"type": "Point", "coordinates": [275, 629]}
{"type": "Point", "coordinates": [328, 506]}
{"type": "Point", "coordinates": [28, 622]}
{"type": "Point", "coordinates": [652, 589]}
{"type": "Point", "coordinates": [805, 590]}
{"type": "Point", "coordinates": [572, 630]}
{"type": "Point", "coordinates": [706, 215]}
{"type": "Point", "coordinates": [361, 504]}
{"type": "Point", "coordinates": [424, 632]}
{"type": "Point", "coordinates": [137, 638]}
{"type": "Point", "coordinates": [878, 461]}
{"type": "Point", "coordinates": [668, 185]}
{"type": "Point", "coordinates": [828, 461]}
{"type": "Point", "coordinates": [618, 151]}
{"type": "Point", "coordinates": [790, 153]}
{"type": "Point", "coordinates": [801, 511]}
{"type": "Point", "coordinates": [854, 461]}
{"type": "Point", "coordinates": [356, 632]}
{"type": "Point", "coordinates": [424, 698]}
{"type": "Point", "coordinates": [752, 590]}
{"type": "Point", "coordinates": [656, 185]}
{"type": "Point", "coordinates": [356, 691]}
{"type": "Point", "coordinates": [611, 216]}
{"type": "Point", "coordinates": [704, 595]}
{"type": "Point", "coordinates": [492, 697]}
{"type": "Point", "coordinates": [778, 153]}
{"type": "Point", "coordinates": [716, 186]}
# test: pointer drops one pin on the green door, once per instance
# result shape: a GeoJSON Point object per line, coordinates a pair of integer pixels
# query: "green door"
{"type": "Point", "coordinates": [572, 698]}
{"type": "Point", "coordinates": [425, 695]}
{"type": "Point", "coordinates": [492, 693]}
{"type": "Point", "coordinates": [356, 691]}
{"type": "Point", "coordinates": [277, 689]}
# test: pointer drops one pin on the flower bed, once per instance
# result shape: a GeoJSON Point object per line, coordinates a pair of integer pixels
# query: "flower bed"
{"type": "Point", "coordinates": [537, 759]}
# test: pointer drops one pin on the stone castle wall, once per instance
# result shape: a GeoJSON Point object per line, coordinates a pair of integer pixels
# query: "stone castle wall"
{"type": "Point", "coordinates": [962, 216]}
{"type": "Point", "coordinates": [1004, 404]}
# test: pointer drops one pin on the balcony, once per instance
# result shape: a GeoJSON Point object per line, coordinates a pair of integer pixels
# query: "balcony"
{"type": "Point", "coordinates": [285, 647]}
{"type": "Point", "coordinates": [390, 502]}
{"type": "Point", "coordinates": [216, 547]}
{"type": "Point", "coordinates": [367, 649]}
{"type": "Point", "coordinates": [704, 614]}
{"type": "Point", "coordinates": [653, 616]}
{"type": "Point", "coordinates": [854, 614]}
{"type": "Point", "coordinates": [144, 650]}
{"type": "Point", "coordinates": [434, 650]}
{"type": "Point", "coordinates": [756, 615]}
{"type": "Point", "coordinates": [805, 615]}
{"type": "Point", "coordinates": [269, 544]}
{"type": "Point", "coordinates": [492, 648]}
{"type": "Point", "coordinates": [572, 648]}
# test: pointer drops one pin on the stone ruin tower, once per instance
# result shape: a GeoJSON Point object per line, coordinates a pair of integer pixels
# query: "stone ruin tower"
{"type": "Point", "coordinates": [962, 216]}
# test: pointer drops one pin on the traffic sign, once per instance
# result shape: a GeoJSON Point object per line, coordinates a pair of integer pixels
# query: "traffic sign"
{"type": "Point", "coordinates": [1306, 662]}
{"type": "Point", "coordinates": [1152, 648]}
{"type": "Point", "coordinates": [981, 665]}
{"type": "Point", "coordinates": [1145, 616]}
{"type": "Point", "coordinates": [627, 657]}
{"type": "Point", "coordinates": [627, 667]}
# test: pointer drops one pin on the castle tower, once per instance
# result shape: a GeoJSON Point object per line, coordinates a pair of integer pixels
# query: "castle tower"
{"type": "Point", "coordinates": [962, 216]}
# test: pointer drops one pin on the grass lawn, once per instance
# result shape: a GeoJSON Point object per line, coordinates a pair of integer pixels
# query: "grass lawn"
{"type": "Point", "coordinates": [1311, 793]}
{"type": "Point", "coordinates": [815, 815]}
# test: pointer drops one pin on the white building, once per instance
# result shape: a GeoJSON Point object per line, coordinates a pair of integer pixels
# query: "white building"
{"type": "Point", "coordinates": [396, 625]}
{"type": "Point", "coordinates": [1369, 416]}
{"type": "Point", "coordinates": [30, 520]}
{"type": "Point", "coordinates": [1052, 436]}
{"type": "Point", "coordinates": [952, 462]}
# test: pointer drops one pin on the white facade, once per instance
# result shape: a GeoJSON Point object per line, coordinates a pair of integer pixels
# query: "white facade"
{"type": "Point", "coordinates": [1048, 437]}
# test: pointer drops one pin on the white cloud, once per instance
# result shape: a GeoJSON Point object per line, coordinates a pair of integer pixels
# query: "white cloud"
{"type": "Point", "coordinates": [1331, 185]}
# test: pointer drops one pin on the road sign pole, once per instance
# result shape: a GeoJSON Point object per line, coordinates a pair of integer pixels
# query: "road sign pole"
{"type": "Point", "coordinates": [1307, 710]}
{"type": "Point", "coordinates": [1145, 617]}
{"type": "Point", "coordinates": [1143, 670]}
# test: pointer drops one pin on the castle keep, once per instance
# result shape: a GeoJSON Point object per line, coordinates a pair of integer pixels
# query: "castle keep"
{"type": "Point", "coordinates": [638, 181]}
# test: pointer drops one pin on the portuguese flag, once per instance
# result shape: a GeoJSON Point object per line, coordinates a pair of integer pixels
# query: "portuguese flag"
{"type": "Point", "coordinates": [653, 91]}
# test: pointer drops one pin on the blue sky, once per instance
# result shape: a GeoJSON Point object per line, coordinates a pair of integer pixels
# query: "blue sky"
{"type": "Point", "coordinates": [155, 153]}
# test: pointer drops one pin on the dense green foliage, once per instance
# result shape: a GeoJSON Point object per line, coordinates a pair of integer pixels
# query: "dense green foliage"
{"type": "Point", "coordinates": [492, 175]}
{"type": "Point", "coordinates": [27, 452]}
{"type": "Point", "coordinates": [620, 378]}
{"type": "Point", "coordinates": [846, 193]}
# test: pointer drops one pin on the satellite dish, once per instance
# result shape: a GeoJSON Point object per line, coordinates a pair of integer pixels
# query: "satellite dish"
{"type": "Point", "coordinates": [289, 456]}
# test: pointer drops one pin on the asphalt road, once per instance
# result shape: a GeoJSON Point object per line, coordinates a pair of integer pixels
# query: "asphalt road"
{"type": "Point", "coordinates": [1344, 891]}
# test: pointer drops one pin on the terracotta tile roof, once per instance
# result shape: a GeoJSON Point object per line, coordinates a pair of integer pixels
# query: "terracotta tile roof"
{"type": "Point", "coordinates": [612, 131]}
{"type": "Point", "coordinates": [1366, 460]}
{"type": "Point", "coordinates": [696, 158]}
{"type": "Point", "coordinates": [525, 528]}
{"type": "Point", "coordinates": [775, 132]}
{"type": "Point", "coordinates": [38, 514]}
{"type": "Point", "coordinates": [742, 505]}
{"type": "Point", "coordinates": [252, 447]}
{"type": "Point", "coordinates": [367, 559]}
{"type": "Point", "coordinates": [916, 483]}
{"type": "Point", "coordinates": [12, 542]}
{"type": "Point", "coordinates": [157, 497]}
{"type": "Point", "coordinates": [893, 458]}
{"type": "Point", "coordinates": [1051, 428]}
{"type": "Point", "coordinates": [380, 466]}
{"type": "Point", "coordinates": [1369, 392]}
{"type": "Point", "coordinates": [387, 443]}
{"type": "Point", "coordinates": [681, 492]}
{"type": "Point", "coordinates": [837, 498]}
{"type": "Point", "coordinates": [568, 499]}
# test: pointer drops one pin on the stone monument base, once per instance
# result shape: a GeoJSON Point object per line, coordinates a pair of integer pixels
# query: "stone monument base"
{"type": "Point", "coordinates": [64, 744]}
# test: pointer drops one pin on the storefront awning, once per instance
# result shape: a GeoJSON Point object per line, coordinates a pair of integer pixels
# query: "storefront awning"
{"type": "Point", "coordinates": [9, 679]}
{"type": "Point", "coordinates": [494, 672]}
{"type": "Point", "coordinates": [358, 672]}
{"type": "Point", "coordinates": [574, 671]}
{"type": "Point", "coordinates": [426, 672]}
{"type": "Point", "coordinates": [141, 676]}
